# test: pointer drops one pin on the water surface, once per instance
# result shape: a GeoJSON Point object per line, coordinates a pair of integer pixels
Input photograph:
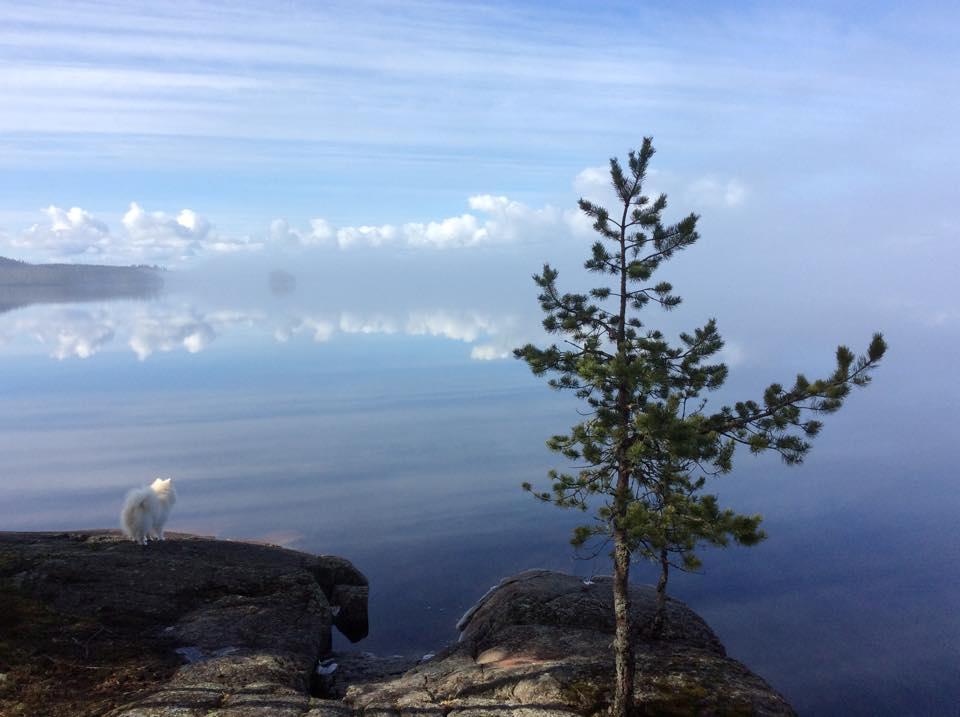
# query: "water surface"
{"type": "Point", "coordinates": [390, 431]}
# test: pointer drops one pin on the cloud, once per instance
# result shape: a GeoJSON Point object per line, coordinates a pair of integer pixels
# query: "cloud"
{"type": "Point", "coordinates": [145, 237]}
{"type": "Point", "coordinates": [512, 221]}
{"type": "Point", "coordinates": [158, 237]}
{"type": "Point", "coordinates": [66, 233]}
{"type": "Point", "coordinates": [496, 220]}
{"type": "Point", "coordinates": [465, 230]}
{"type": "Point", "coordinates": [372, 236]}
{"type": "Point", "coordinates": [489, 352]}
{"type": "Point", "coordinates": [732, 353]}
{"type": "Point", "coordinates": [714, 192]}
{"type": "Point", "coordinates": [593, 183]}
{"type": "Point", "coordinates": [320, 232]}
{"type": "Point", "coordinates": [161, 235]}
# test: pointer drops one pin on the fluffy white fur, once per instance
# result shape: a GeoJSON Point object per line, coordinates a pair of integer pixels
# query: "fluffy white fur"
{"type": "Point", "coordinates": [146, 510]}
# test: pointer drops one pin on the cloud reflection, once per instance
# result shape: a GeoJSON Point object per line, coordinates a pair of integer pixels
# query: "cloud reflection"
{"type": "Point", "coordinates": [160, 327]}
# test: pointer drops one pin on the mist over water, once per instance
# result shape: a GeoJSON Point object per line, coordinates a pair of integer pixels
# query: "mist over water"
{"type": "Point", "coordinates": [372, 414]}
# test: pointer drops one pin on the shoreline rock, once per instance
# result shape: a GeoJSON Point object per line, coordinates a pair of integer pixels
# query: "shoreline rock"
{"type": "Point", "coordinates": [539, 644]}
{"type": "Point", "coordinates": [117, 620]}
{"type": "Point", "coordinates": [92, 624]}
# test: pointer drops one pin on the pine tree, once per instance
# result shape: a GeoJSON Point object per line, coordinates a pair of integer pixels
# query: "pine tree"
{"type": "Point", "coordinates": [648, 444]}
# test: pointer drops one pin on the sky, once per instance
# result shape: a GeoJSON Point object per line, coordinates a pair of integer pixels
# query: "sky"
{"type": "Point", "coordinates": [176, 133]}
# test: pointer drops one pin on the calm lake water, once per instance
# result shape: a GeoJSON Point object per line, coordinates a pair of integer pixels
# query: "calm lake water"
{"type": "Point", "coordinates": [392, 434]}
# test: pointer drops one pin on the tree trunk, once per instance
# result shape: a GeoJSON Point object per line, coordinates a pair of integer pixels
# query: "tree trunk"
{"type": "Point", "coordinates": [624, 657]}
{"type": "Point", "coordinates": [661, 614]}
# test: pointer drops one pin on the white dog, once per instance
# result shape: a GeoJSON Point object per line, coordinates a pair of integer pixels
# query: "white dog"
{"type": "Point", "coordinates": [146, 509]}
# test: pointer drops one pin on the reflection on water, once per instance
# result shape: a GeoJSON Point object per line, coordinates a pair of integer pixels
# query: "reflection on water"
{"type": "Point", "coordinates": [370, 431]}
{"type": "Point", "coordinates": [178, 322]}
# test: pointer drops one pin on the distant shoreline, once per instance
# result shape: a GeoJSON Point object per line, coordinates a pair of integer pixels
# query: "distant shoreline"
{"type": "Point", "coordinates": [23, 284]}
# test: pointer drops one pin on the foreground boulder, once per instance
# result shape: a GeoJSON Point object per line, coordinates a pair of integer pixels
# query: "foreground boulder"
{"type": "Point", "coordinates": [93, 624]}
{"type": "Point", "coordinates": [539, 645]}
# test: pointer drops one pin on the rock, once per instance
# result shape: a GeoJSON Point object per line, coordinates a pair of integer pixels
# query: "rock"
{"type": "Point", "coordinates": [350, 615]}
{"type": "Point", "coordinates": [119, 620]}
{"type": "Point", "coordinates": [328, 708]}
{"type": "Point", "coordinates": [91, 624]}
{"type": "Point", "coordinates": [539, 645]}
{"type": "Point", "coordinates": [363, 668]}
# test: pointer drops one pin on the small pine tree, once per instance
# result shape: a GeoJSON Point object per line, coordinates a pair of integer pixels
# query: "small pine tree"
{"type": "Point", "coordinates": [648, 443]}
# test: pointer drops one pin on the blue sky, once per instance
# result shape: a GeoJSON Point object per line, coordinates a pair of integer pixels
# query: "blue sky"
{"type": "Point", "coordinates": [387, 113]}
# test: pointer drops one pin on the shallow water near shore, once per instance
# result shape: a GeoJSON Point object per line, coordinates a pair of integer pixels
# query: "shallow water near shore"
{"type": "Point", "coordinates": [386, 437]}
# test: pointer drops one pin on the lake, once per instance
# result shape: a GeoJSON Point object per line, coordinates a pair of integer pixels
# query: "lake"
{"type": "Point", "coordinates": [388, 427]}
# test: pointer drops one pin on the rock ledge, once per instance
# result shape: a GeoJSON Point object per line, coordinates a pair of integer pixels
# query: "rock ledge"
{"type": "Point", "coordinates": [91, 623]}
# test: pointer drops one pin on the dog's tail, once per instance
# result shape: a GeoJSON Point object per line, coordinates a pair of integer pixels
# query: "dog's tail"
{"type": "Point", "coordinates": [132, 514]}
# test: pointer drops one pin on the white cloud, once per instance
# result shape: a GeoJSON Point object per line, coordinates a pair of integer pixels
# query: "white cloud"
{"type": "Point", "coordinates": [156, 233]}
{"type": "Point", "coordinates": [732, 353]}
{"type": "Point", "coordinates": [489, 352]}
{"type": "Point", "coordinates": [714, 192]}
{"type": "Point", "coordinates": [593, 184]}
{"type": "Point", "coordinates": [374, 236]}
{"type": "Point", "coordinates": [66, 233]}
{"type": "Point", "coordinates": [145, 237]}
{"type": "Point", "coordinates": [464, 230]}
{"type": "Point", "coordinates": [498, 219]}
{"type": "Point", "coordinates": [320, 232]}
{"type": "Point", "coordinates": [157, 237]}
{"type": "Point", "coordinates": [512, 221]}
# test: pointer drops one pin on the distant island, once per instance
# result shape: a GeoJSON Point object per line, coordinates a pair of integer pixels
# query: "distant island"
{"type": "Point", "coordinates": [22, 284]}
